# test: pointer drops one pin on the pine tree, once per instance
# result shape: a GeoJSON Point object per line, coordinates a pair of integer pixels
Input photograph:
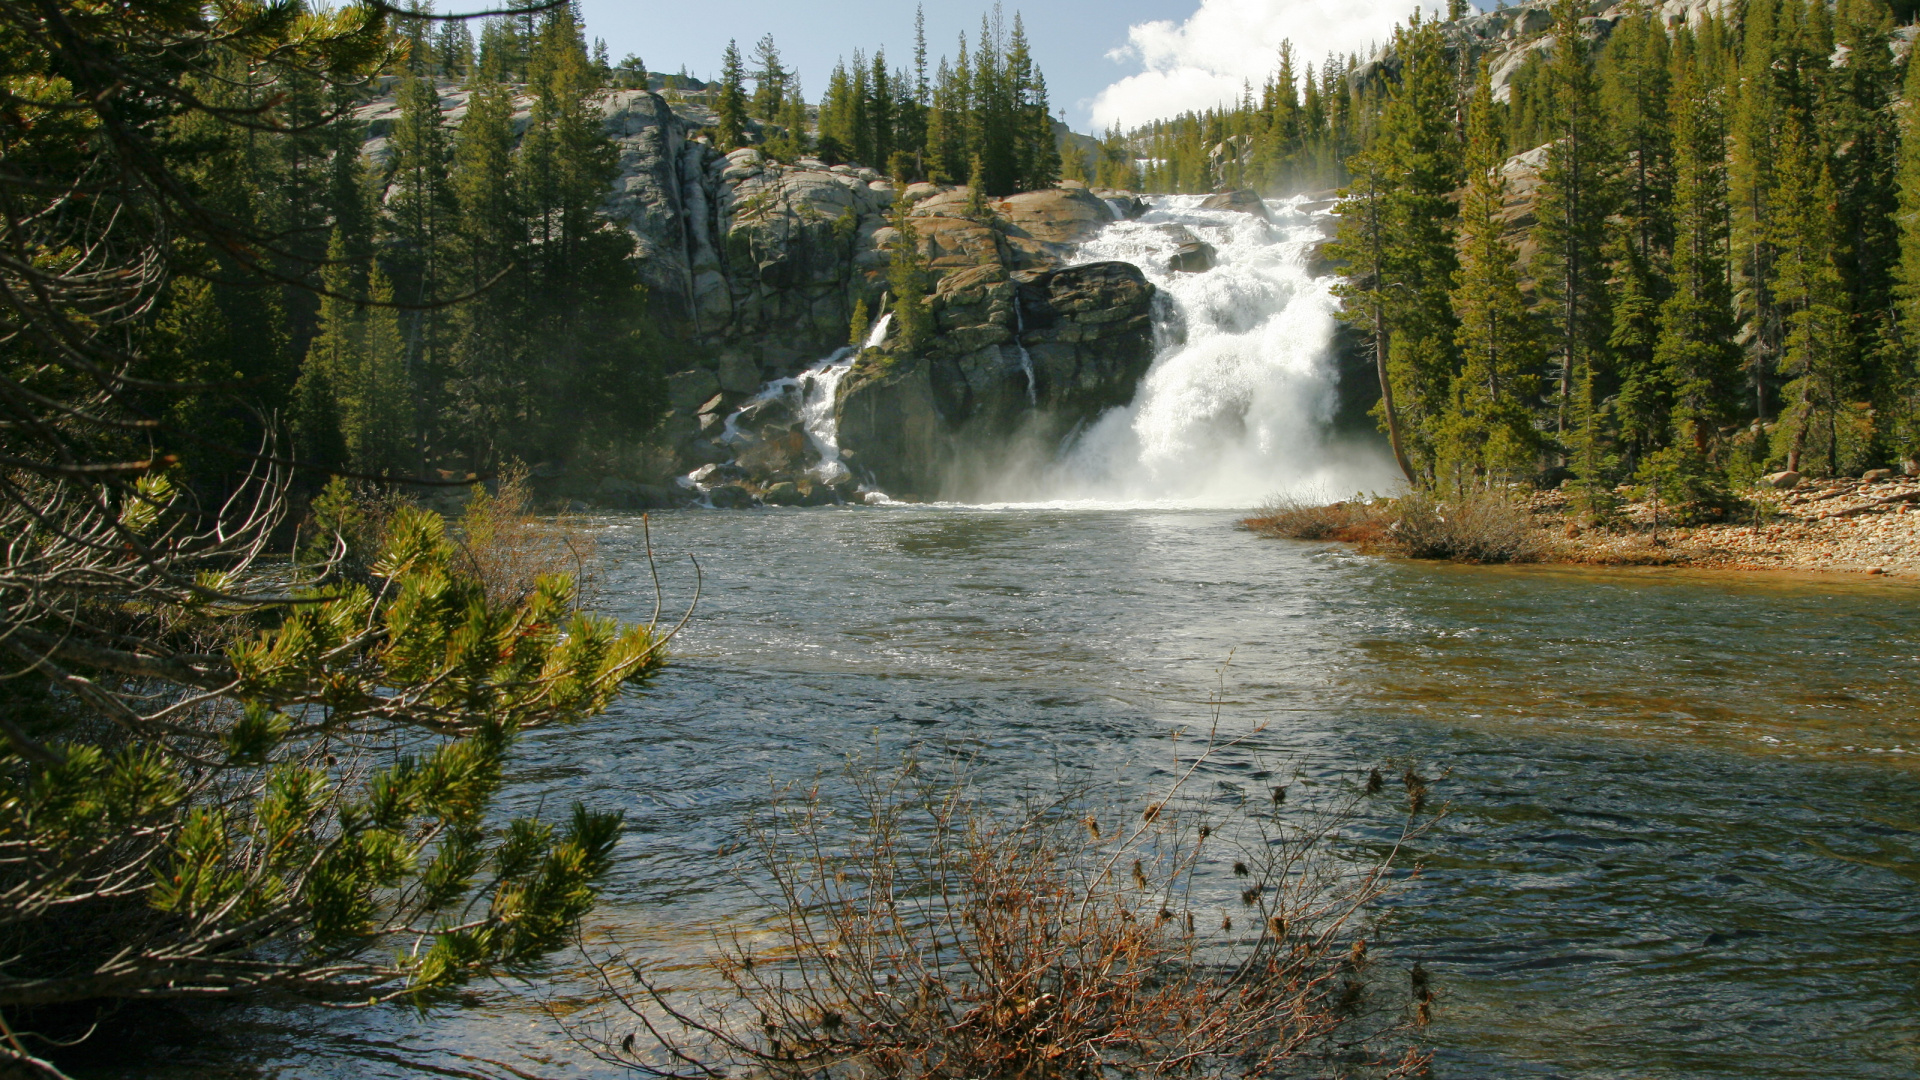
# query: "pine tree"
{"type": "Point", "coordinates": [836, 117]}
{"type": "Point", "coordinates": [1634, 89]}
{"type": "Point", "coordinates": [1362, 244]}
{"type": "Point", "coordinates": [770, 81]}
{"type": "Point", "coordinates": [977, 206]}
{"type": "Point", "coordinates": [790, 141]}
{"type": "Point", "coordinates": [907, 277]}
{"type": "Point", "coordinates": [859, 111]}
{"type": "Point", "coordinates": [421, 211]}
{"type": "Point", "coordinates": [487, 369]}
{"type": "Point", "coordinates": [454, 49]}
{"type": "Point", "coordinates": [1758, 115]}
{"type": "Point", "coordinates": [880, 112]}
{"type": "Point", "coordinates": [1420, 158]}
{"type": "Point", "coordinates": [1818, 341]}
{"type": "Point", "coordinates": [376, 395]}
{"type": "Point", "coordinates": [1574, 202]}
{"type": "Point", "coordinates": [730, 123]}
{"type": "Point", "coordinates": [1904, 380]}
{"type": "Point", "coordinates": [1862, 130]}
{"type": "Point", "coordinates": [1696, 357]}
{"type": "Point", "coordinates": [1487, 429]}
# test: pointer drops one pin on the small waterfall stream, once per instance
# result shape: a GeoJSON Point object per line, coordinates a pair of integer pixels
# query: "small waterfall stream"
{"type": "Point", "coordinates": [810, 397]}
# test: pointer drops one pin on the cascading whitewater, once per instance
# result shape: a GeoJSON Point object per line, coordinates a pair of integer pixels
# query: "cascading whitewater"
{"type": "Point", "coordinates": [1237, 403]}
{"type": "Point", "coordinates": [810, 395]}
{"type": "Point", "coordinates": [1235, 408]}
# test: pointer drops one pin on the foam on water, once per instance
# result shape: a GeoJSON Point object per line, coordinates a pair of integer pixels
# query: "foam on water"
{"type": "Point", "coordinates": [1238, 402]}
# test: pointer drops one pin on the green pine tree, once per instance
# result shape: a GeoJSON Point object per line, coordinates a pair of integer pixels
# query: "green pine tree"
{"type": "Point", "coordinates": [730, 123]}
{"type": "Point", "coordinates": [1487, 429]}
{"type": "Point", "coordinates": [1574, 201]}
{"type": "Point", "coordinates": [1696, 357]}
{"type": "Point", "coordinates": [770, 81]}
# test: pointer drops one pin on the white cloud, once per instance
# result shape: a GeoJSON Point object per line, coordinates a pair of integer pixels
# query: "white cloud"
{"type": "Point", "coordinates": [1208, 59]}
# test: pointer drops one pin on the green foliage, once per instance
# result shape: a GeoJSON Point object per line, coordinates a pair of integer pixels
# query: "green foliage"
{"type": "Point", "coordinates": [1396, 238]}
{"type": "Point", "coordinates": [977, 206]}
{"type": "Point", "coordinates": [1296, 136]}
{"type": "Point", "coordinates": [861, 325]}
{"type": "Point", "coordinates": [1487, 429]}
{"type": "Point", "coordinates": [989, 102]}
{"type": "Point", "coordinates": [730, 124]}
{"type": "Point", "coordinates": [1686, 486]}
{"type": "Point", "coordinates": [223, 773]}
{"type": "Point", "coordinates": [907, 274]}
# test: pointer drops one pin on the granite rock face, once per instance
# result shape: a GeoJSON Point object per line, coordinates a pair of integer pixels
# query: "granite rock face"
{"type": "Point", "coordinates": [760, 266]}
{"type": "Point", "coordinates": [1016, 354]}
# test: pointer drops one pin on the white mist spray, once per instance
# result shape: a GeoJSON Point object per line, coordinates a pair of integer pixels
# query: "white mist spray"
{"type": "Point", "coordinates": [1239, 410]}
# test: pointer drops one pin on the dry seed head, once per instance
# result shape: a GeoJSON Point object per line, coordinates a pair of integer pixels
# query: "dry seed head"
{"type": "Point", "coordinates": [1375, 782]}
{"type": "Point", "coordinates": [1278, 925]}
{"type": "Point", "coordinates": [1139, 874]}
{"type": "Point", "coordinates": [1240, 869]}
{"type": "Point", "coordinates": [1226, 922]}
{"type": "Point", "coordinates": [1205, 831]}
{"type": "Point", "coordinates": [1152, 812]}
{"type": "Point", "coordinates": [1251, 896]}
{"type": "Point", "coordinates": [1093, 826]}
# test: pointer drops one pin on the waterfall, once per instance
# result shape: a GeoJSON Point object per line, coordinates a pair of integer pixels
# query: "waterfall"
{"type": "Point", "coordinates": [810, 397]}
{"type": "Point", "coordinates": [1237, 407]}
{"type": "Point", "coordinates": [1026, 358]}
{"type": "Point", "coordinates": [820, 385]}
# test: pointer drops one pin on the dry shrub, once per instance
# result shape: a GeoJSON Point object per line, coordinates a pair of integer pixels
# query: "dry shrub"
{"type": "Point", "coordinates": [1290, 517]}
{"type": "Point", "coordinates": [1478, 526]}
{"type": "Point", "coordinates": [929, 936]}
{"type": "Point", "coordinates": [509, 548]}
{"type": "Point", "coordinates": [1481, 527]}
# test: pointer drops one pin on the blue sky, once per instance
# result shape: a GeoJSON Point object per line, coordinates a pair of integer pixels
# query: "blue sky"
{"type": "Point", "coordinates": [1105, 60]}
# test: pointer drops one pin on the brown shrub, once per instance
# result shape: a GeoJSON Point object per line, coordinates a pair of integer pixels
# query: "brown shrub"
{"type": "Point", "coordinates": [509, 548]}
{"type": "Point", "coordinates": [1289, 517]}
{"type": "Point", "coordinates": [927, 936]}
{"type": "Point", "coordinates": [1480, 527]}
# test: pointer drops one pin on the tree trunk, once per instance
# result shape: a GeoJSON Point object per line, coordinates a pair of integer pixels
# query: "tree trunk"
{"type": "Point", "coordinates": [1386, 396]}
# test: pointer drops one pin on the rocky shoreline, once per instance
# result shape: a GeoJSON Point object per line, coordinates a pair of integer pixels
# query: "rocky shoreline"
{"type": "Point", "coordinates": [1843, 525]}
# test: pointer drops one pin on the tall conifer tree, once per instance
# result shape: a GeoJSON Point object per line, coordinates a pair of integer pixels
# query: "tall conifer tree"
{"type": "Point", "coordinates": [730, 119]}
{"type": "Point", "coordinates": [1574, 203]}
{"type": "Point", "coordinates": [1487, 429]}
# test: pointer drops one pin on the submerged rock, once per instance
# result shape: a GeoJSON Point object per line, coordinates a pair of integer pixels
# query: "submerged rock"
{"type": "Point", "coordinates": [730, 497]}
{"type": "Point", "coordinates": [785, 493]}
{"type": "Point", "coordinates": [1243, 201]}
{"type": "Point", "coordinates": [1193, 255]}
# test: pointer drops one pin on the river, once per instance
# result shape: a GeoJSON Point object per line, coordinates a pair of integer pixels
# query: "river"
{"type": "Point", "coordinates": [1682, 825]}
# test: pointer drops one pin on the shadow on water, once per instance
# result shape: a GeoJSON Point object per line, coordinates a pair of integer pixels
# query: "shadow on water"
{"type": "Point", "coordinates": [1683, 836]}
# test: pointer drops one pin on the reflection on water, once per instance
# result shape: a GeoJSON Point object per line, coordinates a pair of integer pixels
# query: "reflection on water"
{"type": "Point", "coordinates": [1684, 836]}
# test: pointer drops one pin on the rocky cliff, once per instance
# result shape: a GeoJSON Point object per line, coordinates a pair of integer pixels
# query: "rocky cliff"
{"type": "Point", "coordinates": [760, 266]}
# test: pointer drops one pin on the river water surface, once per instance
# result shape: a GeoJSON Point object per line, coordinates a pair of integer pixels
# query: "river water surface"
{"type": "Point", "coordinates": [1683, 835]}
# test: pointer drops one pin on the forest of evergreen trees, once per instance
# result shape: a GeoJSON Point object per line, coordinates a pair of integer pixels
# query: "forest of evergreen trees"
{"type": "Point", "coordinates": [981, 118]}
{"type": "Point", "coordinates": [506, 319]}
{"type": "Point", "coordinates": [1720, 276]}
